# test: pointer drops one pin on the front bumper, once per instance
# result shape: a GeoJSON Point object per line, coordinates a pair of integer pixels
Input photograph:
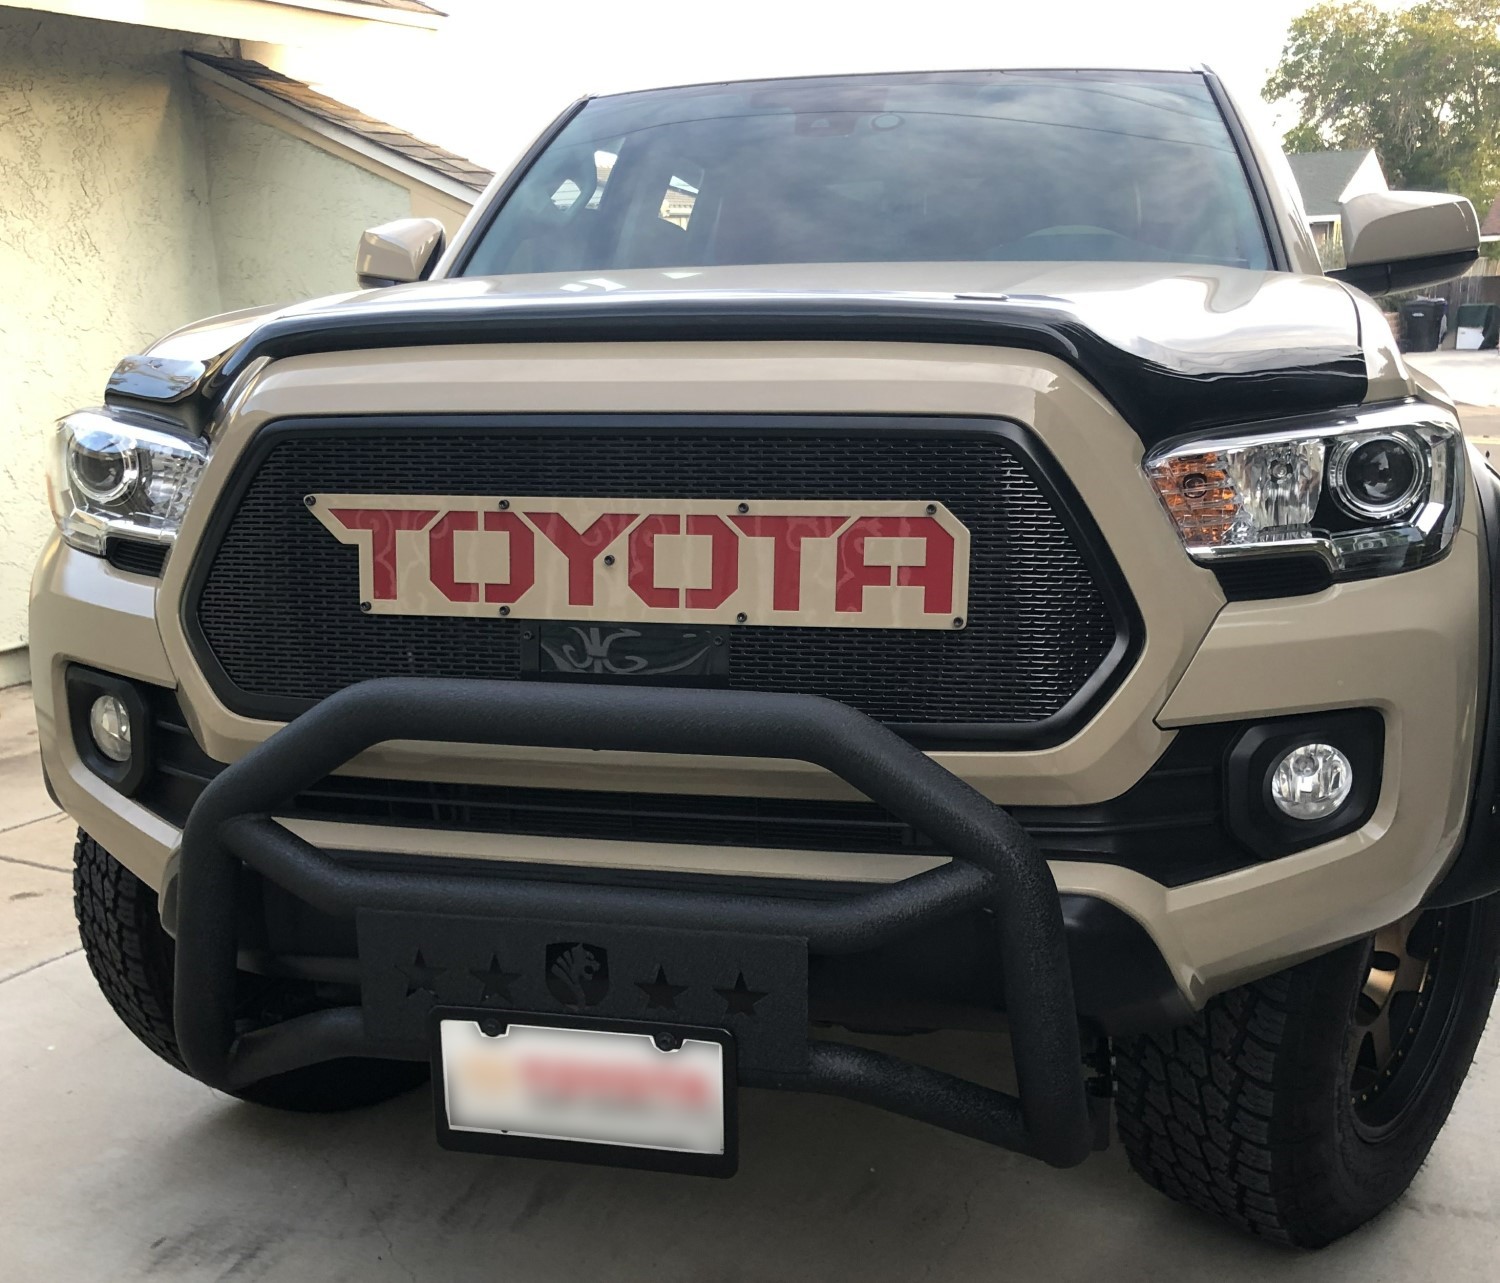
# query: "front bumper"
{"type": "Point", "coordinates": [994, 865]}
{"type": "Point", "coordinates": [1413, 647]}
{"type": "Point", "coordinates": [1406, 646]}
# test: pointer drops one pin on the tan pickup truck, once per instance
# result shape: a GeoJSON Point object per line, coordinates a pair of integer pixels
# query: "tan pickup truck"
{"type": "Point", "coordinates": [869, 554]}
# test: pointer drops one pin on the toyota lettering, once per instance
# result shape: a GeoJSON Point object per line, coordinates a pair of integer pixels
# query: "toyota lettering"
{"type": "Point", "coordinates": [843, 563]}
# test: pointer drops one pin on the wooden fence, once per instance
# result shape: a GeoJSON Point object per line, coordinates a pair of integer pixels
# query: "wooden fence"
{"type": "Point", "coordinates": [1480, 284]}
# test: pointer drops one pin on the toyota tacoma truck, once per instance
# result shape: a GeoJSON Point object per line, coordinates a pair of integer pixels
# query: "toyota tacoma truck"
{"type": "Point", "coordinates": [812, 559]}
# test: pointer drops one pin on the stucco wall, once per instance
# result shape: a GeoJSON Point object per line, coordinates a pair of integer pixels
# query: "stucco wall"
{"type": "Point", "coordinates": [286, 215]}
{"type": "Point", "coordinates": [105, 240]}
{"type": "Point", "coordinates": [132, 203]}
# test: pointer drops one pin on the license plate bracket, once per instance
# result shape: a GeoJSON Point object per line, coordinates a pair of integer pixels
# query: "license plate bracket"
{"type": "Point", "coordinates": [458, 1127]}
{"type": "Point", "coordinates": [753, 985]}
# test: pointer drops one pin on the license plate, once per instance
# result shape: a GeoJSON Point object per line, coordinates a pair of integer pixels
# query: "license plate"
{"type": "Point", "coordinates": [589, 1090]}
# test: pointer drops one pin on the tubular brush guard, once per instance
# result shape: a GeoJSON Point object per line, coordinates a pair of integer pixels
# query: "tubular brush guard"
{"type": "Point", "coordinates": [994, 863]}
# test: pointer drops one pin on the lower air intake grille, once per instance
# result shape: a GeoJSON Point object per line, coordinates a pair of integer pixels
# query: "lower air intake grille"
{"type": "Point", "coordinates": [136, 556]}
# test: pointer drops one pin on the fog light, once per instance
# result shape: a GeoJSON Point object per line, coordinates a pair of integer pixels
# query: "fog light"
{"type": "Point", "coordinates": [109, 724]}
{"type": "Point", "coordinates": [1311, 781]}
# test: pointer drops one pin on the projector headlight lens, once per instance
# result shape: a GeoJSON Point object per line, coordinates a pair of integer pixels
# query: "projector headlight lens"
{"type": "Point", "coordinates": [102, 465]}
{"type": "Point", "coordinates": [1378, 477]}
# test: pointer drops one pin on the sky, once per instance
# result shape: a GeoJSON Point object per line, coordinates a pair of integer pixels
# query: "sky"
{"type": "Point", "coordinates": [497, 71]}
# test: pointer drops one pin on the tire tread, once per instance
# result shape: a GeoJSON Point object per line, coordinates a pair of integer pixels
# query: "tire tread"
{"type": "Point", "coordinates": [114, 908]}
{"type": "Point", "coordinates": [1237, 1113]}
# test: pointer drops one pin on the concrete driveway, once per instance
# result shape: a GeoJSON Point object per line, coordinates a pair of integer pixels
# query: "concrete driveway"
{"type": "Point", "coordinates": [117, 1167]}
{"type": "Point", "coordinates": [1473, 380]}
{"type": "Point", "coordinates": [1470, 378]}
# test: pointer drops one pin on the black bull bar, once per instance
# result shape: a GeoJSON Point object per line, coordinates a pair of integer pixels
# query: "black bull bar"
{"type": "Point", "coordinates": [994, 863]}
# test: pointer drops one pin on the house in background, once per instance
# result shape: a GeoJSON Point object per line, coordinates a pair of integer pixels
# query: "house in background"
{"type": "Point", "coordinates": [156, 168]}
{"type": "Point", "coordinates": [1489, 230]}
{"type": "Point", "coordinates": [1326, 180]}
{"type": "Point", "coordinates": [270, 137]}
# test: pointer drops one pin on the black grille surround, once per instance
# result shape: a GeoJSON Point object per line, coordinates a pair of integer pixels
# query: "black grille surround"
{"type": "Point", "coordinates": [272, 613]}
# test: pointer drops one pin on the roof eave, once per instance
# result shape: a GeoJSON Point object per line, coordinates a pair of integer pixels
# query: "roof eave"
{"type": "Point", "coordinates": [429, 21]}
{"type": "Point", "coordinates": [387, 156]}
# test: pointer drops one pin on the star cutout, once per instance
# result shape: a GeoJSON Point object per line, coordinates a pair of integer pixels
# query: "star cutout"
{"type": "Point", "coordinates": [741, 1000]}
{"type": "Point", "coordinates": [660, 995]}
{"type": "Point", "coordinates": [420, 978]}
{"type": "Point", "coordinates": [495, 981]}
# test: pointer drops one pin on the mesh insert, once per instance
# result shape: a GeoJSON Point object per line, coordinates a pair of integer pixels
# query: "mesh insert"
{"type": "Point", "coordinates": [279, 607]}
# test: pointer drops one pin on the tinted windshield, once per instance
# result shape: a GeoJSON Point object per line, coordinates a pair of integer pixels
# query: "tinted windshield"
{"type": "Point", "coordinates": [975, 166]}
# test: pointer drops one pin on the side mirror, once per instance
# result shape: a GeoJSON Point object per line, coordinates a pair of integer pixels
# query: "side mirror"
{"type": "Point", "coordinates": [1403, 240]}
{"type": "Point", "coordinates": [399, 252]}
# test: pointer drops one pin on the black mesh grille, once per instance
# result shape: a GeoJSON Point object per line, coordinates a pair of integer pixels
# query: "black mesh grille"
{"type": "Point", "coordinates": [279, 606]}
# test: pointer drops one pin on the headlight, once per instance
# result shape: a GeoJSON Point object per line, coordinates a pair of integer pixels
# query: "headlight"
{"type": "Point", "coordinates": [1373, 494]}
{"type": "Point", "coordinates": [113, 475]}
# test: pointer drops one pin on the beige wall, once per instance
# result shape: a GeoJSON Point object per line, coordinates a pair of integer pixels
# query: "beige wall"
{"type": "Point", "coordinates": [105, 238]}
{"type": "Point", "coordinates": [286, 215]}
{"type": "Point", "coordinates": [131, 202]}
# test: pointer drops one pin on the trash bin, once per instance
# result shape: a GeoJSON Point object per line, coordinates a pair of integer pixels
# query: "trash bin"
{"type": "Point", "coordinates": [1422, 324]}
{"type": "Point", "coordinates": [1477, 325]}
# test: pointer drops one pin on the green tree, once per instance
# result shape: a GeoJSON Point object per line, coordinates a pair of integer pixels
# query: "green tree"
{"type": "Point", "coordinates": [1420, 85]}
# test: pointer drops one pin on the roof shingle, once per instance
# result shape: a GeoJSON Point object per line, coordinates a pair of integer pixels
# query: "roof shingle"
{"type": "Point", "coordinates": [1322, 177]}
{"type": "Point", "coordinates": [1491, 226]}
{"type": "Point", "coordinates": [295, 93]}
{"type": "Point", "coordinates": [411, 6]}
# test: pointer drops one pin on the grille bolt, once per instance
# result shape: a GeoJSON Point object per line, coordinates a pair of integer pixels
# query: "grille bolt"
{"type": "Point", "coordinates": [958, 621]}
{"type": "Point", "coordinates": [741, 617]}
{"type": "Point", "coordinates": [609, 559]}
{"type": "Point", "coordinates": [932, 509]}
{"type": "Point", "coordinates": [504, 610]}
{"type": "Point", "coordinates": [365, 606]}
{"type": "Point", "coordinates": [504, 504]}
{"type": "Point", "coordinates": [526, 635]}
{"type": "Point", "coordinates": [311, 500]}
{"type": "Point", "coordinates": [744, 507]}
{"type": "Point", "coordinates": [718, 641]}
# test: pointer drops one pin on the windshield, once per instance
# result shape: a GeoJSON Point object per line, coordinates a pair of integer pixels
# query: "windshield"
{"type": "Point", "coordinates": [946, 167]}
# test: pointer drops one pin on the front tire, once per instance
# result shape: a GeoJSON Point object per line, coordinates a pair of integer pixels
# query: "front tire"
{"type": "Point", "coordinates": [1301, 1105]}
{"type": "Point", "coordinates": [131, 956]}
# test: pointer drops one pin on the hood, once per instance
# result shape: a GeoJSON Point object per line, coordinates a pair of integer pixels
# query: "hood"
{"type": "Point", "coordinates": [1175, 347]}
{"type": "Point", "coordinates": [1188, 318]}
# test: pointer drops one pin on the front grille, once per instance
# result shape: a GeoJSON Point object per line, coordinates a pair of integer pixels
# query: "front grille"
{"type": "Point", "coordinates": [278, 599]}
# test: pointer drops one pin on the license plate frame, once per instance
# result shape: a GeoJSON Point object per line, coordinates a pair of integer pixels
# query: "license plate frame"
{"type": "Point", "coordinates": [601, 1153]}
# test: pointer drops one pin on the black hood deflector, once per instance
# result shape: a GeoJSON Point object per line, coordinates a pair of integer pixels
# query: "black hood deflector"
{"type": "Point", "coordinates": [1289, 348]}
